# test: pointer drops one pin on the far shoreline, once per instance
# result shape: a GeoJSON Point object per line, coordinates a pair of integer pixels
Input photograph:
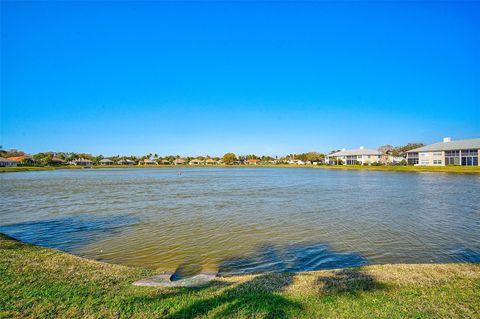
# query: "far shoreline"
{"type": "Point", "coordinates": [405, 169]}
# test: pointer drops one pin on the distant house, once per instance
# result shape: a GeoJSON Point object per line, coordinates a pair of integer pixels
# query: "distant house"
{"type": "Point", "coordinates": [24, 159]}
{"type": "Point", "coordinates": [252, 161]}
{"type": "Point", "coordinates": [81, 162]}
{"type": "Point", "coordinates": [148, 162]}
{"type": "Point", "coordinates": [179, 161]}
{"type": "Point", "coordinates": [210, 161]}
{"type": "Point", "coordinates": [197, 161]}
{"type": "Point", "coordinates": [126, 162]}
{"type": "Point", "coordinates": [296, 162]}
{"type": "Point", "coordinates": [5, 162]}
{"type": "Point", "coordinates": [448, 152]}
{"type": "Point", "coordinates": [359, 156]}
{"type": "Point", "coordinates": [55, 161]}
{"type": "Point", "coordinates": [106, 161]}
{"type": "Point", "coordinates": [165, 162]}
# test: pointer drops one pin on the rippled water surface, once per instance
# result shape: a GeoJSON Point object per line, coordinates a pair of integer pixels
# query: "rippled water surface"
{"type": "Point", "coordinates": [237, 220]}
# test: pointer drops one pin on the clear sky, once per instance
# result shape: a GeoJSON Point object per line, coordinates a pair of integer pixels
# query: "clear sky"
{"type": "Point", "coordinates": [266, 78]}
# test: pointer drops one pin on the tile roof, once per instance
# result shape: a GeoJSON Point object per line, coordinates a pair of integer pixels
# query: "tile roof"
{"type": "Point", "coordinates": [18, 158]}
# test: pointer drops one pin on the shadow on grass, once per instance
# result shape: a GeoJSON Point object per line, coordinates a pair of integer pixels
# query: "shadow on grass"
{"type": "Point", "coordinates": [7, 242]}
{"type": "Point", "coordinates": [161, 301]}
{"type": "Point", "coordinates": [276, 265]}
{"type": "Point", "coordinates": [258, 297]}
{"type": "Point", "coordinates": [348, 281]}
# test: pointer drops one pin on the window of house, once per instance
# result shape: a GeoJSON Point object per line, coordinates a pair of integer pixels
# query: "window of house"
{"type": "Point", "coordinates": [469, 158]}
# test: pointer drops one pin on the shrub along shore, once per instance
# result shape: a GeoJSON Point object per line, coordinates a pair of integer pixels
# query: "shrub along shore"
{"type": "Point", "coordinates": [46, 283]}
{"type": "Point", "coordinates": [440, 169]}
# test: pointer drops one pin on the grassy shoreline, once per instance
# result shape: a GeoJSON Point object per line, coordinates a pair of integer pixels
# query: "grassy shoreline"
{"type": "Point", "coordinates": [44, 283]}
{"type": "Point", "coordinates": [408, 169]}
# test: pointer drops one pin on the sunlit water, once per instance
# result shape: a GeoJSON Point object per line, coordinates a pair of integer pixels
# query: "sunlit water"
{"type": "Point", "coordinates": [237, 220]}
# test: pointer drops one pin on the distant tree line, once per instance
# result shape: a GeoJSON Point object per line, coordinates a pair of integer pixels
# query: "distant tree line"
{"type": "Point", "coordinates": [46, 158]}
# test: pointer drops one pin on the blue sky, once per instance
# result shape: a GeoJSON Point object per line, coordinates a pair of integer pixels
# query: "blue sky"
{"type": "Point", "coordinates": [266, 78]}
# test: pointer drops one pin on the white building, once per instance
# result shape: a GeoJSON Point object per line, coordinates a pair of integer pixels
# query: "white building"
{"type": "Point", "coordinates": [359, 156]}
{"type": "Point", "coordinates": [196, 161]}
{"type": "Point", "coordinates": [106, 161]}
{"type": "Point", "coordinates": [126, 162]}
{"type": "Point", "coordinates": [447, 152]}
{"type": "Point", "coordinates": [81, 162]}
{"type": "Point", "coordinates": [148, 162]}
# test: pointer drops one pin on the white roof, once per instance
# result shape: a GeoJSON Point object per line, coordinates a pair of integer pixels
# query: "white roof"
{"type": "Point", "coordinates": [357, 151]}
{"type": "Point", "coordinates": [473, 143]}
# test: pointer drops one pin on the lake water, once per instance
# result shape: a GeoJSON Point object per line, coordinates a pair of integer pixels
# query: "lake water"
{"type": "Point", "coordinates": [237, 220]}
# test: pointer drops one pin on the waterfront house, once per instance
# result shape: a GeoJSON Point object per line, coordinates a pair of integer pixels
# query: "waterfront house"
{"type": "Point", "coordinates": [126, 162]}
{"type": "Point", "coordinates": [5, 162]}
{"type": "Point", "coordinates": [447, 152]}
{"type": "Point", "coordinates": [252, 161]}
{"type": "Point", "coordinates": [165, 162]}
{"type": "Point", "coordinates": [24, 159]}
{"type": "Point", "coordinates": [148, 162]}
{"type": "Point", "coordinates": [81, 162]}
{"type": "Point", "coordinates": [179, 161]}
{"type": "Point", "coordinates": [296, 162]}
{"type": "Point", "coordinates": [359, 156]}
{"type": "Point", "coordinates": [210, 161]}
{"type": "Point", "coordinates": [196, 161]}
{"type": "Point", "coordinates": [106, 161]}
{"type": "Point", "coordinates": [55, 161]}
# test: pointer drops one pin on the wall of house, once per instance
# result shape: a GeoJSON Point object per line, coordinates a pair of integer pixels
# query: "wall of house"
{"type": "Point", "coordinates": [369, 159]}
{"type": "Point", "coordinates": [8, 163]}
{"type": "Point", "coordinates": [436, 158]}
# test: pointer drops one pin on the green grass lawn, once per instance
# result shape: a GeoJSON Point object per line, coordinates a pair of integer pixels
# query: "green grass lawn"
{"type": "Point", "coordinates": [34, 168]}
{"type": "Point", "coordinates": [45, 283]}
{"type": "Point", "coordinates": [438, 169]}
